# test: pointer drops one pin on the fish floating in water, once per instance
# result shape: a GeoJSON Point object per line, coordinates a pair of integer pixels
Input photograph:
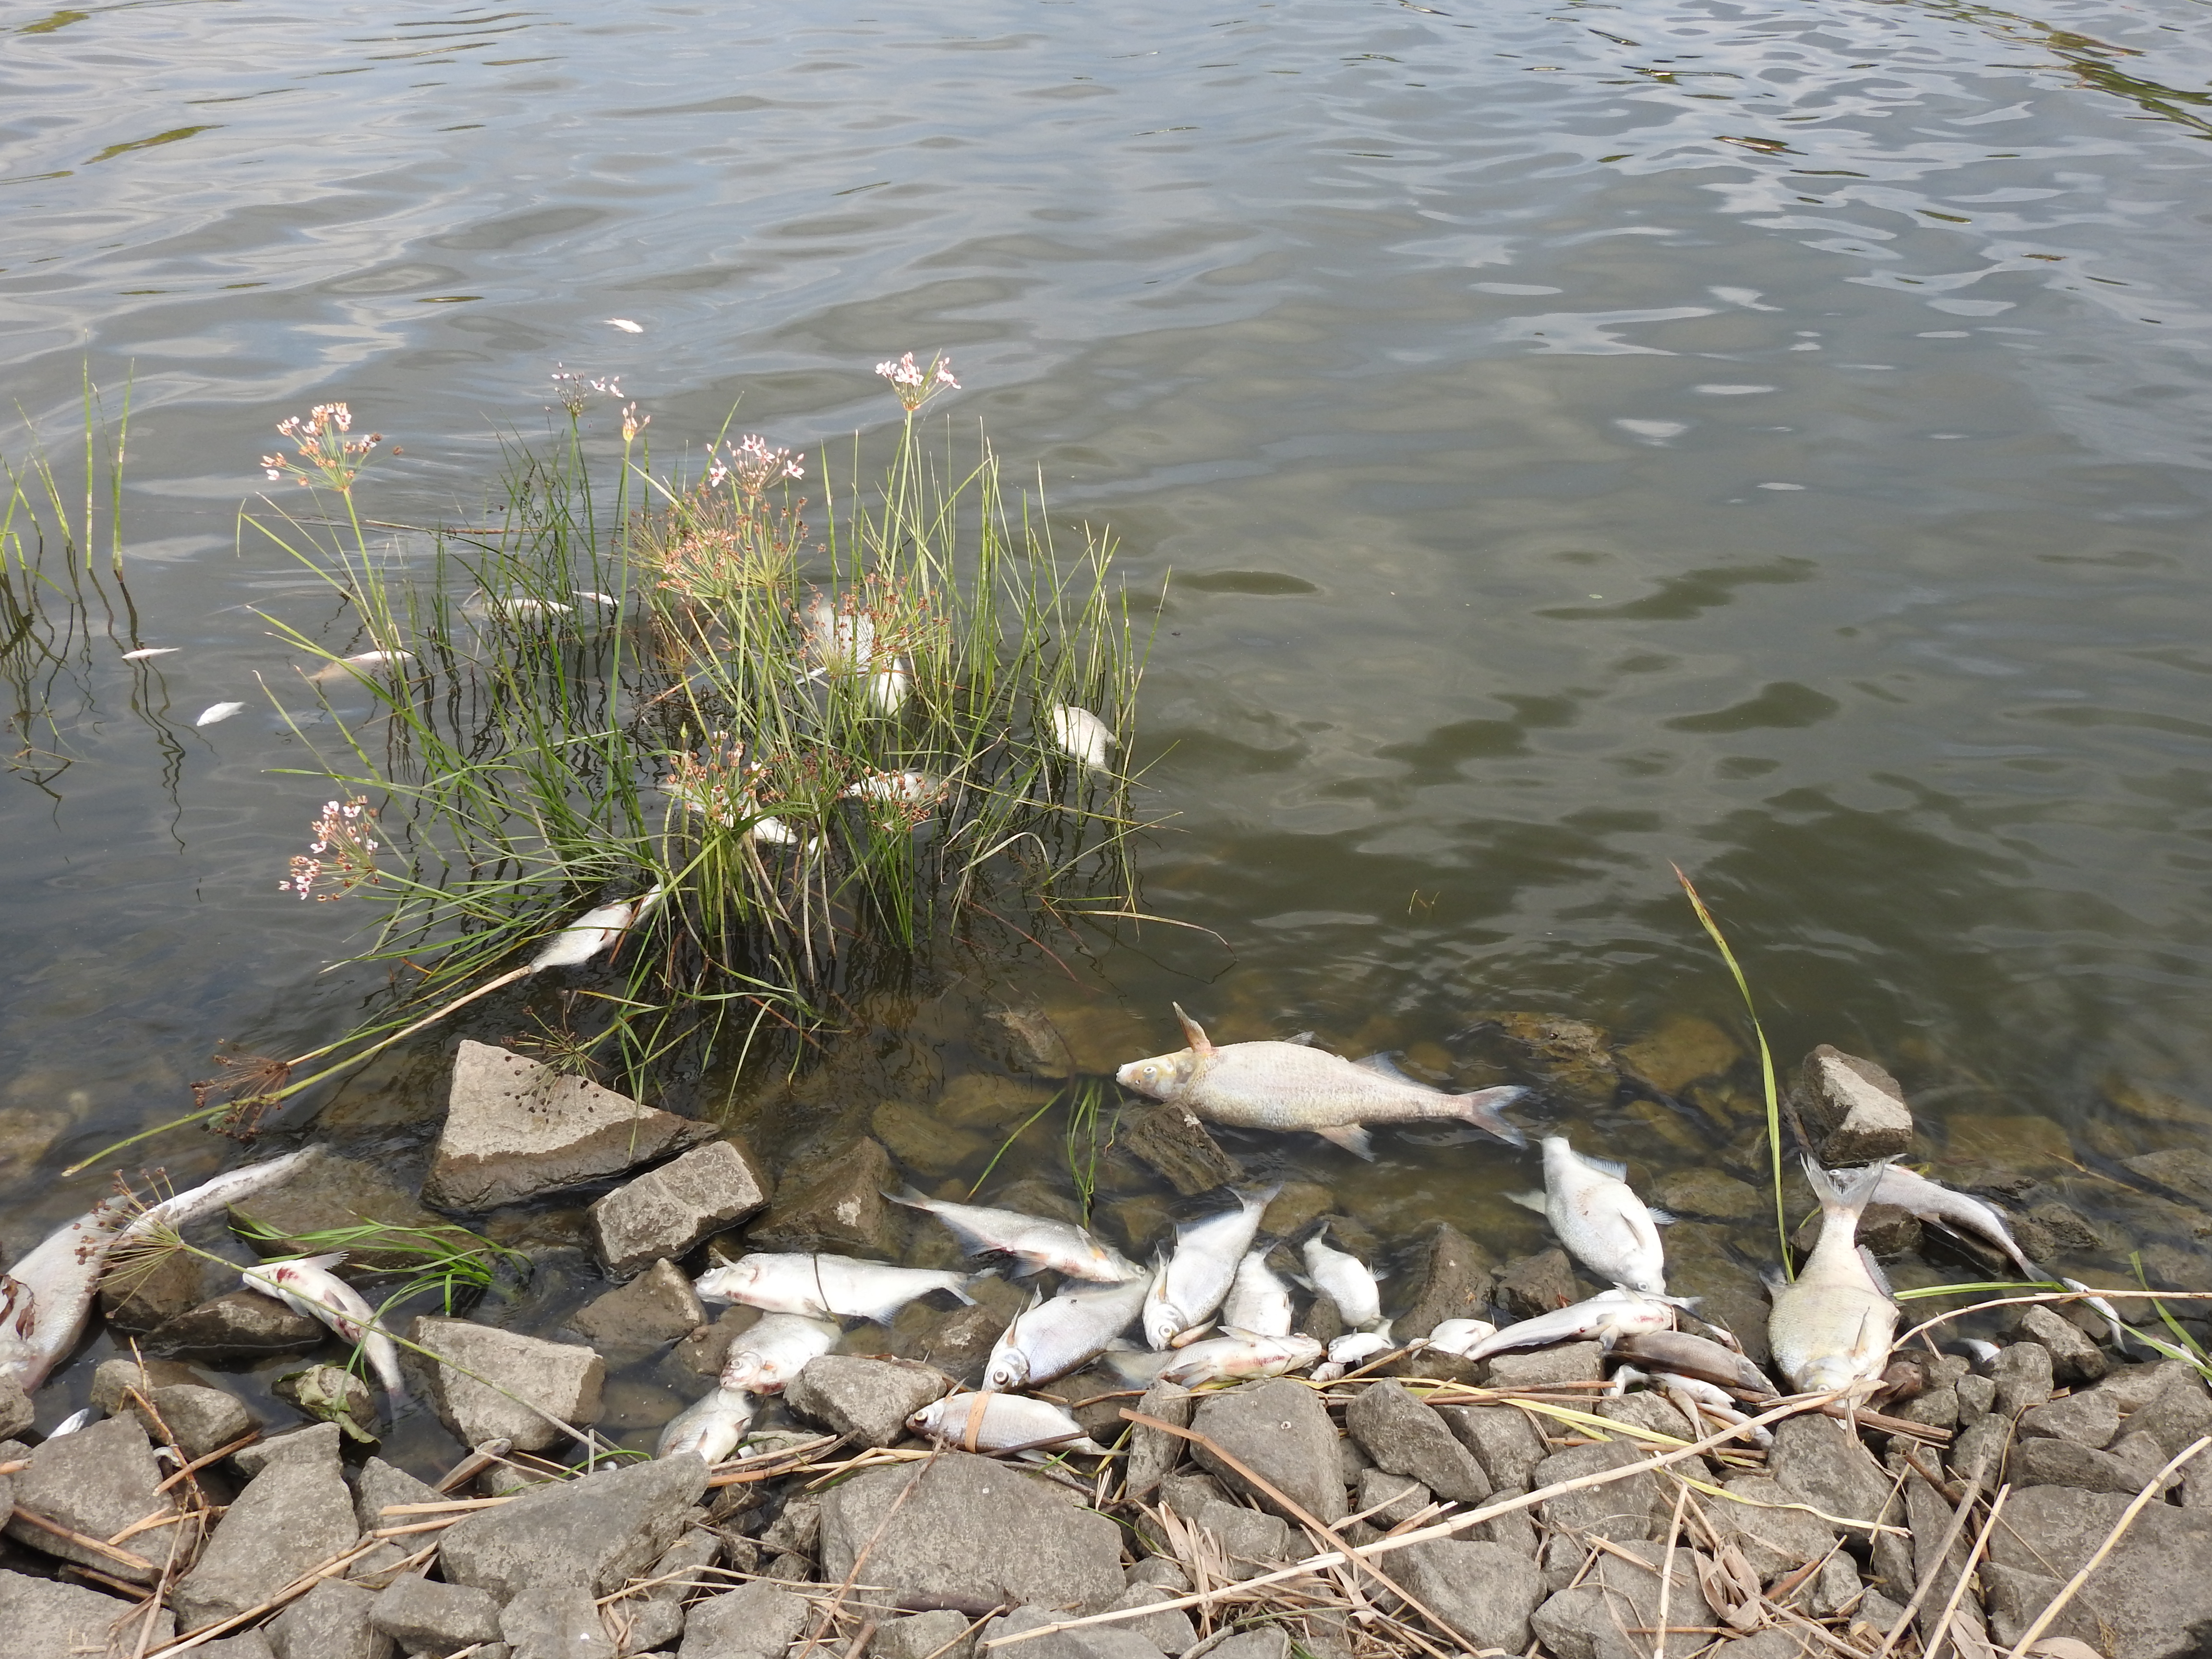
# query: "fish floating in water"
{"type": "Point", "coordinates": [1037, 1242]}
{"type": "Point", "coordinates": [1343, 1279]}
{"type": "Point", "coordinates": [216, 713]}
{"type": "Point", "coordinates": [768, 1353]}
{"type": "Point", "coordinates": [1080, 735]}
{"type": "Point", "coordinates": [1240, 1354]}
{"type": "Point", "coordinates": [1290, 1086]}
{"type": "Point", "coordinates": [1259, 1299]}
{"type": "Point", "coordinates": [825, 1286]}
{"type": "Point", "coordinates": [1600, 1218]}
{"type": "Point", "coordinates": [593, 932]}
{"type": "Point", "coordinates": [1610, 1316]}
{"type": "Point", "coordinates": [306, 1285]}
{"type": "Point", "coordinates": [1831, 1329]}
{"type": "Point", "coordinates": [1051, 1339]}
{"type": "Point", "coordinates": [1001, 1422]}
{"type": "Point", "coordinates": [360, 663]}
{"type": "Point", "coordinates": [1195, 1280]}
{"type": "Point", "coordinates": [711, 1427]}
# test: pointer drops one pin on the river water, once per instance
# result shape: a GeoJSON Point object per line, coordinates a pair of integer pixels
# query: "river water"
{"type": "Point", "coordinates": [1573, 438]}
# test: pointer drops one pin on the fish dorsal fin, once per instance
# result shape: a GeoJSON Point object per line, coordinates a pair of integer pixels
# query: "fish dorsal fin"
{"type": "Point", "coordinates": [1606, 1166]}
{"type": "Point", "coordinates": [1527, 1201]}
{"type": "Point", "coordinates": [332, 1259]}
{"type": "Point", "coordinates": [1383, 1064]}
{"type": "Point", "coordinates": [1303, 1039]}
{"type": "Point", "coordinates": [1660, 1218]}
{"type": "Point", "coordinates": [1192, 1032]}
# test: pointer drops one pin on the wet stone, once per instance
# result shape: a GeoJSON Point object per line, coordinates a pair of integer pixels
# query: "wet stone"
{"type": "Point", "coordinates": [243, 1325]}
{"type": "Point", "coordinates": [316, 1443]}
{"type": "Point", "coordinates": [1683, 1049]}
{"type": "Point", "coordinates": [113, 1380]}
{"type": "Point", "coordinates": [956, 1342]}
{"type": "Point", "coordinates": [1294, 1209]}
{"type": "Point", "coordinates": [1575, 1056]}
{"type": "Point", "coordinates": [17, 1413]}
{"type": "Point", "coordinates": [837, 1205]}
{"type": "Point", "coordinates": [514, 1128]}
{"type": "Point", "coordinates": [914, 1136]}
{"type": "Point", "coordinates": [1178, 1147]}
{"type": "Point", "coordinates": [143, 1295]}
{"type": "Point", "coordinates": [979, 1100]}
{"type": "Point", "coordinates": [869, 1399]}
{"type": "Point", "coordinates": [1449, 1279]}
{"type": "Point", "coordinates": [1884, 1228]}
{"type": "Point", "coordinates": [663, 1214]}
{"type": "Point", "coordinates": [330, 1191]}
{"type": "Point", "coordinates": [2185, 1170]}
{"type": "Point", "coordinates": [1710, 1194]}
{"type": "Point", "coordinates": [1852, 1110]}
{"type": "Point", "coordinates": [96, 1482]}
{"type": "Point", "coordinates": [1539, 1284]}
{"type": "Point", "coordinates": [556, 1378]}
{"type": "Point", "coordinates": [292, 1516]}
{"type": "Point", "coordinates": [333, 1395]}
{"type": "Point", "coordinates": [1281, 1430]}
{"type": "Point", "coordinates": [657, 1307]}
{"type": "Point", "coordinates": [2011, 1149]}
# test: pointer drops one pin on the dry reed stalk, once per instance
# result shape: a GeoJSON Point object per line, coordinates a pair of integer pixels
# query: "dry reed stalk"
{"type": "Point", "coordinates": [98, 1546]}
{"type": "Point", "coordinates": [1667, 1568]}
{"type": "Point", "coordinates": [197, 1463]}
{"type": "Point", "coordinates": [1943, 1629]}
{"type": "Point", "coordinates": [291, 1592]}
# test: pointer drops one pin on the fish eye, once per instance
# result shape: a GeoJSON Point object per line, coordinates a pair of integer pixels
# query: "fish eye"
{"type": "Point", "coordinates": [1149, 1073]}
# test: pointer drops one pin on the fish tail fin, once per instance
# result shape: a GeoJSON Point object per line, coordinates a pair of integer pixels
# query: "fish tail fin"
{"type": "Point", "coordinates": [958, 1285]}
{"type": "Point", "coordinates": [1844, 1200]}
{"type": "Point", "coordinates": [327, 1261]}
{"type": "Point", "coordinates": [1480, 1108]}
{"type": "Point", "coordinates": [909, 1196]}
{"type": "Point", "coordinates": [1527, 1201]}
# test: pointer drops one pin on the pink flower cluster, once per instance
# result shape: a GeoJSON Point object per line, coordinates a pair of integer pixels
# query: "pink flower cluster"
{"type": "Point", "coordinates": [325, 451]}
{"type": "Point", "coordinates": [752, 465]}
{"type": "Point", "coordinates": [342, 856]}
{"type": "Point", "coordinates": [915, 385]}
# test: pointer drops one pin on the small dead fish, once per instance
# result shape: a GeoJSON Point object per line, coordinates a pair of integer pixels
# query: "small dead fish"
{"type": "Point", "coordinates": [216, 713]}
{"type": "Point", "coordinates": [913, 788]}
{"type": "Point", "coordinates": [1259, 1299]}
{"type": "Point", "coordinates": [888, 688]}
{"type": "Point", "coordinates": [775, 1348]}
{"type": "Point", "coordinates": [1196, 1278]}
{"type": "Point", "coordinates": [353, 664]}
{"type": "Point", "coordinates": [1289, 1086]}
{"type": "Point", "coordinates": [599, 598]}
{"type": "Point", "coordinates": [1343, 1279]}
{"type": "Point", "coordinates": [1037, 1242]}
{"type": "Point", "coordinates": [995, 1422]}
{"type": "Point", "coordinates": [625, 325]}
{"type": "Point", "coordinates": [1600, 1218]}
{"type": "Point", "coordinates": [144, 651]}
{"type": "Point", "coordinates": [1609, 1316]}
{"type": "Point", "coordinates": [1080, 734]}
{"type": "Point", "coordinates": [1241, 1354]}
{"type": "Point", "coordinates": [1051, 1339]}
{"type": "Point", "coordinates": [1932, 1201]}
{"type": "Point", "coordinates": [1691, 1396]}
{"type": "Point", "coordinates": [1832, 1328]}
{"type": "Point", "coordinates": [83, 1419]}
{"type": "Point", "coordinates": [842, 642]}
{"type": "Point", "coordinates": [1350, 1351]}
{"type": "Point", "coordinates": [1456, 1336]}
{"type": "Point", "coordinates": [306, 1285]}
{"type": "Point", "coordinates": [593, 932]}
{"type": "Point", "coordinates": [710, 1428]}
{"type": "Point", "coordinates": [825, 1286]}
{"type": "Point", "coordinates": [1686, 1355]}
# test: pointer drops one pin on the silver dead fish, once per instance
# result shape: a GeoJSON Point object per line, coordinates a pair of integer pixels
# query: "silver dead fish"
{"type": "Point", "coordinates": [1343, 1279]}
{"type": "Point", "coordinates": [46, 1297]}
{"type": "Point", "coordinates": [1290, 1086]}
{"type": "Point", "coordinates": [1600, 1219]}
{"type": "Point", "coordinates": [1079, 734]}
{"type": "Point", "coordinates": [1351, 1350]}
{"type": "Point", "coordinates": [1691, 1395]}
{"type": "Point", "coordinates": [1931, 1201]}
{"type": "Point", "coordinates": [1700, 1357]}
{"type": "Point", "coordinates": [825, 1286]}
{"type": "Point", "coordinates": [307, 1285]}
{"type": "Point", "coordinates": [710, 1427]}
{"type": "Point", "coordinates": [1060, 1245]}
{"type": "Point", "coordinates": [1259, 1300]}
{"type": "Point", "coordinates": [1609, 1315]}
{"type": "Point", "coordinates": [1051, 1339]}
{"type": "Point", "coordinates": [1832, 1328]}
{"type": "Point", "coordinates": [1240, 1354]}
{"type": "Point", "coordinates": [997, 1422]}
{"type": "Point", "coordinates": [775, 1348]}
{"type": "Point", "coordinates": [1456, 1336]}
{"type": "Point", "coordinates": [1196, 1279]}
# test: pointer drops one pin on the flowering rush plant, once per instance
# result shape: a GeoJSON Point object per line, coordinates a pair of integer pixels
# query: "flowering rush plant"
{"type": "Point", "coordinates": [340, 857]}
{"type": "Point", "coordinates": [325, 451]}
{"type": "Point", "coordinates": [751, 465]}
{"type": "Point", "coordinates": [915, 385]}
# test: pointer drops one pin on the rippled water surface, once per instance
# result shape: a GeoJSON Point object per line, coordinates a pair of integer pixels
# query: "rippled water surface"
{"type": "Point", "coordinates": [1768, 438]}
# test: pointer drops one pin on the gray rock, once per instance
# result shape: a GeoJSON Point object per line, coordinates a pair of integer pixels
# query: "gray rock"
{"type": "Point", "coordinates": [333, 1396]}
{"type": "Point", "coordinates": [664, 1212]}
{"type": "Point", "coordinates": [1930, 1518]}
{"type": "Point", "coordinates": [957, 1340]}
{"type": "Point", "coordinates": [1819, 1460]}
{"type": "Point", "coordinates": [1978, 1452]}
{"type": "Point", "coordinates": [941, 1635]}
{"type": "Point", "coordinates": [656, 1308]}
{"type": "Point", "coordinates": [1280, 1430]}
{"type": "Point", "coordinates": [144, 1294]}
{"type": "Point", "coordinates": [1632, 1507]}
{"type": "Point", "coordinates": [548, 1620]}
{"type": "Point", "coordinates": [1351, 1462]}
{"type": "Point", "coordinates": [2184, 1170]}
{"type": "Point", "coordinates": [1570, 1362]}
{"type": "Point", "coordinates": [972, 1528]}
{"type": "Point", "coordinates": [1776, 1539]}
{"type": "Point", "coordinates": [1170, 1631]}
{"type": "Point", "coordinates": [514, 1127]}
{"type": "Point", "coordinates": [331, 1621]}
{"type": "Point", "coordinates": [113, 1380]}
{"type": "Point", "coordinates": [598, 1531]}
{"type": "Point", "coordinates": [248, 1644]}
{"type": "Point", "coordinates": [1977, 1398]}
{"type": "Point", "coordinates": [1404, 1436]}
{"type": "Point", "coordinates": [1538, 1284]}
{"type": "Point", "coordinates": [328, 1191]}
{"type": "Point", "coordinates": [1502, 1439]}
{"type": "Point", "coordinates": [2074, 1359]}
{"type": "Point", "coordinates": [17, 1413]}
{"type": "Point", "coordinates": [839, 1205]}
{"type": "Point", "coordinates": [197, 1419]}
{"type": "Point", "coordinates": [318, 1443]}
{"type": "Point", "coordinates": [1775, 1642]}
{"type": "Point", "coordinates": [2151, 1599]}
{"type": "Point", "coordinates": [1614, 1611]}
{"type": "Point", "coordinates": [1450, 1279]}
{"type": "Point", "coordinates": [1265, 1642]}
{"type": "Point", "coordinates": [2087, 1419]}
{"type": "Point", "coordinates": [561, 1379]}
{"type": "Point", "coordinates": [45, 1620]}
{"type": "Point", "coordinates": [1645, 1410]}
{"type": "Point", "coordinates": [798, 1530]}
{"type": "Point", "coordinates": [292, 1516]}
{"type": "Point", "coordinates": [2022, 1373]}
{"type": "Point", "coordinates": [243, 1325]}
{"type": "Point", "coordinates": [1153, 1454]}
{"type": "Point", "coordinates": [1098, 1642]}
{"type": "Point", "coordinates": [1852, 1111]}
{"type": "Point", "coordinates": [2177, 1414]}
{"type": "Point", "coordinates": [2063, 1463]}
{"type": "Point", "coordinates": [1178, 1146]}
{"type": "Point", "coordinates": [755, 1622]}
{"type": "Point", "coordinates": [1186, 1491]}
{"type": "Point", "coordinates": [1253, 1543]}
{"type": "Point", "coordinates": [2015, 1596]}
{"type": "Point", "coordinates": [1484, 1592]}
{"type": "Point", "coordinates": [1710, 1193]}
{"type": "Point", "coordinates": [378, 1483]}
{"type": "Point", "coordinates": [1158, 1572]}
{"type": "Point", "coordinates": [96, 1482]}
{"type": "Point", "coordinates": [377, 1566]}
{"type": "Point", "coordinates": [1387, 1500]}
{"type": "Point", "coordinates": [655, 1619]}
{"type": "Point", "coordinates": [426, 1617]}
{"type": "Point", "coordinates": [869, 1399]}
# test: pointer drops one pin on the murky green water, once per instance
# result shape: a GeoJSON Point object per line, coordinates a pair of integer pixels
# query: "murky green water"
{"type": "Point", "coordinates": [1770, 439]}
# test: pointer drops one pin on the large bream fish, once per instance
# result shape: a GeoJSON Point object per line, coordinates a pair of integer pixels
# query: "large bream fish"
{"type": "Point", "coordinates": [1600, 1219]}
{"type": "Point", "coordinates": [1832, 1328]}
{"type": "Point", "coordinates": [1291, 1086]}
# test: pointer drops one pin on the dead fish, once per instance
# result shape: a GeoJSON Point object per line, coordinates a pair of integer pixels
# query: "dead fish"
{"type": "Point", "coordinates": [1600, 1218]}
{"type": "Point", "coordinates": [1196, 1278]}
{"type": "Point", "coordinates": [996, 1422]}
{"type": "Point", "coordinates": [825, 1286]}
{"type": "Point", "coordinates": [1079, 734]}
{"type": "Point", "coordinates": [1456, 1336]}
{"type": "Point", "coordinates": [1691, 1396]}
{"type": "Point", "coordinates": [711, 1428]}
{"type": "Point", "coordinates": [1343, 1279]}
{"type": "Point", "coordinates": [1609, 1316]}
{"type": "Point", "coordinates": [1832, 1328]}
{"type": "Point", "coordinates": [1685, 1355]}
{"type": "Point", "coordinates": [1049, 1339]}
{"type": "Point", "coordinates": [144, 651]}
{"type": "Point", "coordinates": [1038, 1242]}
{"type": "Point", "coordinates": [46, 1297]}
{"type": "Point", "coordinates": [593, 932]}
{"type": "Point", "coordinates": [625, 325]}
{"type": "Point", "coordinates": [1240, 1354]}
{"type": "Point", "coordinates": [360, 661]}
{"type": "Point", "coordinates": [1351, 1350]}
{"type": "Point", "coordinates": [1290, 1086]}
{"type": "Point", "coordinates": [909, 787]}
{"type": "Point", "coordinates": [216, 713]}
{"type": "Point", "coordinates": [775, 1348]}
{"type": "Point", "coordinates": [1259, 1299]}
{"type": "Point", "coordinates": [306, 1285]}
{"type": "Point", "coordinates": [84, 1418]}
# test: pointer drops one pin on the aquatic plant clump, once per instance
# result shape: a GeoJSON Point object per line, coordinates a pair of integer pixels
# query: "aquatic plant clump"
{"type": "Point", "coordinates": [824, 751]}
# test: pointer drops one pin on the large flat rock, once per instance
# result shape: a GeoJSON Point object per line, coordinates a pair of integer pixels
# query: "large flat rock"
{"type": "Point", "coordinates": [2151, 1598]}
{"type": "Point", "coordinates": [1282, 1431]}
{"type": "Point", "coordinates": [44, 1619]}
{"type": "Point", "coordinates": [596, 1532]}
{"type": "Point", "coordinates": [495, 1385]}
{"type": "Point", "coordinates": [294, 1516]}
{"type": "Point", "coordinates": [514, 1127]}
{"type": "Point", "coordinates": [661, 1214]}
{"type": "Point", "coordinates": [95, 1482]}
